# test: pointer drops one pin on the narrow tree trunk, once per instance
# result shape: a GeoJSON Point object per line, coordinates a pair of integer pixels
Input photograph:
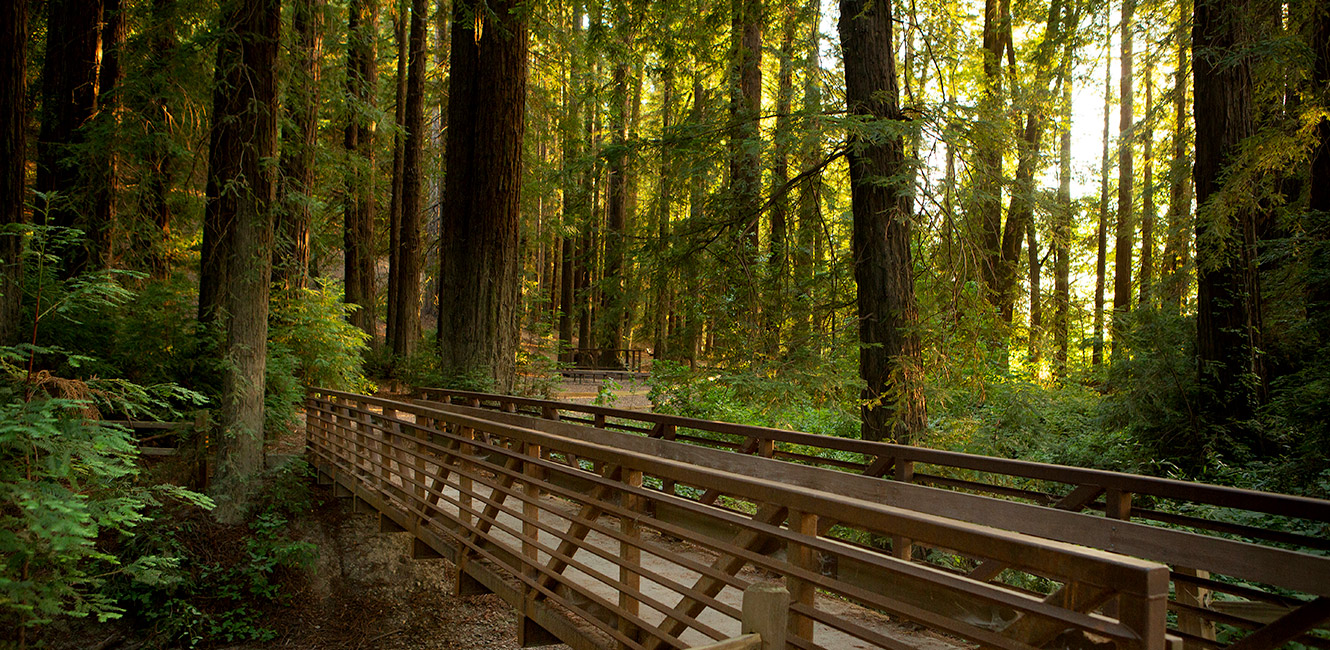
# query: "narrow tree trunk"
{"type": "Point", "coordinates": [782, 142]}
{"type": "Point", "coordinates": [70, 84]}
{"type": "Point", "coordinates": [101, 228]}
{"type": "Point", "coordinates": [889, 357]}
{"type": "Point", "coordinates": [479, 275]}
{"type": "Point", "coordinates": [1062, 235]}
{"type": "Point", "coordinates": [745, 107]}
{"type": "Point", "coordinates": [158, 167]}
{"type": "Point", "coordinates": [407, 273]}
{"type": "Point", "coordinates": [1101, 233]}
{"type": "Point", "coordinates": [610, 325]}
{"type": "Point", "coordinates": [809, 220]}
{"type": "Point", "coordinates": [1036, 297]}
{"type": "Point", "coordinates": [401, 20]}
{"type": "Point", "coordinates": [661, 280]}
{"type": "Point", "coordinates": [1148, 195]}
{"type": "Point", "coordinates": [241, 194]}
{"type": "Point", "coordinates": [1174, 274]}
{"type": "Point", "coordinates": [1228, 319]}
{"type": "Point", "coordinates": [13, 160]}
{"type": "Point", "coordinates": [1122, 245]}
{"type": "Point", "coordinates": [1318, 293]}
{"type": "Point", "coordinates": [358, 212]}
{"type": "Point", "coordinates": [574, 196]}
{"type": "Point", "coordinates": [300, 147]}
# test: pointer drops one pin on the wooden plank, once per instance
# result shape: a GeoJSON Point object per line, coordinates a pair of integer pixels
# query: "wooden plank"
{"type": "Point", "coordinates": [1287, 628]}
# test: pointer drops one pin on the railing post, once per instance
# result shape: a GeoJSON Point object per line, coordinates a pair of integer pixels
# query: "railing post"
{"type": "Point", "coordinates": [801, 591]}
{"type": "Point", "coordinates": [1146, 616]}
{"type": "Point", "coordinates": [631, 555]}
{"type": "Point", "coordinates": [1194, 596]}
{"type": "Point", "coordinates": [766, 608]}
{"type": "Point", "coordinates": [900, 545]}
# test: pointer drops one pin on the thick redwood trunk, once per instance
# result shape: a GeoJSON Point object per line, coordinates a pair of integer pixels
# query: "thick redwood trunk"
{"type": "Point", "coordinates": [241, 194]}
{"type": "Point", "coordinates": [358, 213]}
{"type": "Point", "coordinates": [745, 107]}
{"type": "Point", "coordinates": [407, 274]}
{"type": "Point", "coordinates": [1228, 318]}
{"type": "Point", "coordinates": [479, 274]}
{"type": "Point", "coordinates": [889, 357]}
{"type": "Point", "coordinates": [609, 333]}
{"type": "Point", "coordinates": [13, 159]}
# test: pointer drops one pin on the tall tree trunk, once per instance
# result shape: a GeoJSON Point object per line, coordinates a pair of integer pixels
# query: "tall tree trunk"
{"type": "Point", "coordinates": [1318, 200]}
{"type": "Point", "coordinates": [407, 309]}
{"type": "Point", "coordinates": [1122, 245]}
{"type": "Point", "coordinates": [694, 319]}
{"type": "Point", "coordinates": [989, 138]}
{"type": "Point", "coordinates": [1228, 319]}
{"type": "Point", "coordinates": [1101, 233]}
{"type": "Point", "coordinates": [1148, 193]}
{"type": "Point", "coordinates": [1036, 297]}
{"type": "Point", "coordinates": [809, 220]}
{"type": "Point", "coordinates": [1062, 230]}
{"type": "Point", "coordinates": [478, 257]}
{"type": "Point", "coordinates": [358, 211]}
{"type": "Point", "coordinates": [157, 170]}
{"type": "Point", "coordinates": [1176, 245]}
{"type": "Point", "coordinates": [775, 308]}
{"type": "Point", "coordinates": [661, 280]}
{"type": "Point", "coordinates": [574, 198]}
{"type": "Point", "coordinates": [745, 107]}
{"type": "Point", "coordinates": [241, 194]}
{"type": "Point", "coordinates": [300, 147]}
{"type": "Point", "coordinates": [612, 309]}
{"type": "Point", "coordinates": [70, 84]}
{"type": "Point", "coordinates": [13, 161]}
{"type": "Point", "coordinates": [889, 356]}
{"type": "Point", "coordinates": [401, 21]}
{"type": "Point", "coordinates": [106, 189]}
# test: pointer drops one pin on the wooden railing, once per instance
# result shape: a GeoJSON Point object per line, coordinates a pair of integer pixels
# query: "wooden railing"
{"type": "Point", "coordinates": [1259, 583]}
{"type": "Point", "coordinates": [605, 538]}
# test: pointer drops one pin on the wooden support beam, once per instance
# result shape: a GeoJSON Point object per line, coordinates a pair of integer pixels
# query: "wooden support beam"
{"type": "Point", "coordinates": [801, 591]}
{"type": "Point", "coordinates": [389, 525]}
{"type": "Point", "coordinates": [631, 556]}
{"type": "Point", "coordinates": [531, 634]}
{"type": "Point", "coordinates": [1191, 623]}
{"type": "Point", "coordinates": [1287, 628]}
{"type": "Point", "coordinates": [422, 551]}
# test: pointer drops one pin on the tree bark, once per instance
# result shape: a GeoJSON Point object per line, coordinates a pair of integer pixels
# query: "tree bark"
{"type": "Point", "coordinates": [745, 107]}
{"type": "Point", "coordinates": [574, 196]}
{"type": "Point", "coordinates": [240, 196]}
{"type": "Point", "coordinates": [407, 309]}
{"type": "Point", "coordinates": [300, 147]}
{"type": "Point", "coordinates": [1101, 233]}
{"type": "Point", "coordinates": [1122, 244]}
{"type": "Point", "coordinates": [358, 211]}
{"type": "Point", "coordinates": [400, 35]}
{"type": "Point", "coordinates": [661, 279]}
{"type": "Point", "coordinates": [1176, 246]}
{"type": "Point", "coordinates": [70, 84]}
{"type": "Point", "coordinates": [989, 136]}
{"type": "Point", "coordinates": [105, 183]}
{"type": "Point", "coordinates": [478, 259]}
{"type": "Point", "coordinates": [889, 356]}
{"type": "Point", "coordinates": [1148, 193]}
{"type": "Point", "coordinates": [13, 161]}
{"type": "Point", "coordinates": [1062, 230]}
{"type": "Point", "coordinates": [782, 143]}
{"type": "Point", "coordinates": [609, 328]}
{"type": "Point", "coordinates": [157, 170]}
{"type": "Point", "coordinates": [1228, 319]}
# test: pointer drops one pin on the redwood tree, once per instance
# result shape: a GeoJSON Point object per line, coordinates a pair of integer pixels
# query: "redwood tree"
{"type": "Point", "coordinates": [1228, 316]}
{"type": "Point", "coordinates": [889, 356]}
{"type": "Point", "coordinates": [406, 313]}
{"type": "Point", "coordinates": [478, 258]}
{"type": "Point", "coordinates": [13, 152]}
{"type": "Point", "coordinates": [238, 232]}
{"type": "Point", "coordinates": [300, 145]}
{"type": "Point", "coordinates": [358, 214]}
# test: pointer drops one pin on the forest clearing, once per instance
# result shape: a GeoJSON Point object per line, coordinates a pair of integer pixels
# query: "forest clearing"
{"type": "Point", "coordinates": [999, 323]}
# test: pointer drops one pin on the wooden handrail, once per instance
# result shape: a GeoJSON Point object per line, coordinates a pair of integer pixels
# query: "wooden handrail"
{"type": "Point", "coordinates": [1242, 565]}
{"type": "Point", "coordinates": [475, 485]}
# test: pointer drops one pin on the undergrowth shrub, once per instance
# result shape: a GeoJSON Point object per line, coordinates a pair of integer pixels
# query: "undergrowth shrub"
{"type": "Point", "coordinates": [223, 580]}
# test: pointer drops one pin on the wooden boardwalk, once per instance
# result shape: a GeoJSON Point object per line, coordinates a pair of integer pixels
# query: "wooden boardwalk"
{"type": "Point", "coordinates": [604, 538]}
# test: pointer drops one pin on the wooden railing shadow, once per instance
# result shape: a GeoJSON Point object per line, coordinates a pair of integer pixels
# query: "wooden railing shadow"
{"type": "Point", "coordinates": [1234, 583]}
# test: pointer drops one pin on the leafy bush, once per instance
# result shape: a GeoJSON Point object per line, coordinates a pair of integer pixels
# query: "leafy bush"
{"type": "Point", "coordinates": [67, 482]}
{"type": "Point", "coordinates": [224, 579]}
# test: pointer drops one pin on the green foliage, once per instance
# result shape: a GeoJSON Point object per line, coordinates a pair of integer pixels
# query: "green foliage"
{"type": "Point", "coordinates": [223, 580]}
{"type": "Point", "coordinates": [424, 368]}
{"type": "Point", "coordinates": [310, 343]}
{"type": "Point", "coordinates": [67, 482]}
